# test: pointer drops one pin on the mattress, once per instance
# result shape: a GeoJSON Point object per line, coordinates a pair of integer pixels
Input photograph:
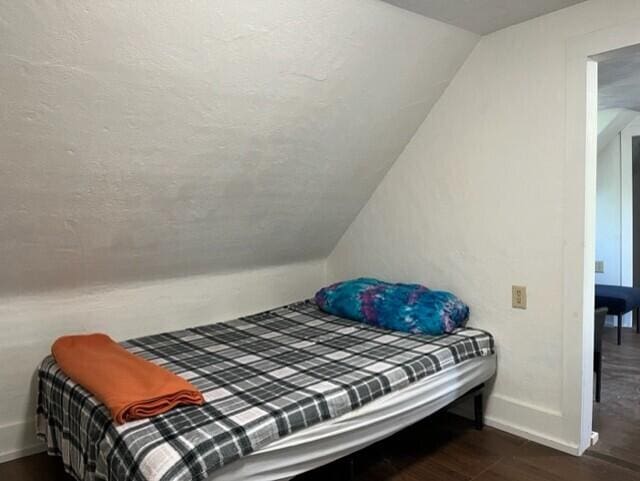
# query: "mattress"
{"type": "Point", "coordinates": [331, 440]}
{"type": "Point", "coordinates": [264, 378]}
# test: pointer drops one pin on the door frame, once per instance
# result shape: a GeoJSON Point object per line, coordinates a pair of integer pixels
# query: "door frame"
{"type": "Point", "coordinates": [579, 180]}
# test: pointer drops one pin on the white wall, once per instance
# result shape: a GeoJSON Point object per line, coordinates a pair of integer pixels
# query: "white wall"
{"type": "Point", "coordinates": [614, 216]}
{"type": "Point", "coordinates": [148, 140]}
{"type": "Point", "coordinates": [608, 201]}
{"type": "Point", "coordinates": [480, 199]}
{"type": "Point", "coordinates": [626, 208]}
{"type": "Point", "coordinates": [474, 204]}
{"type": "Point", "coordinates": [611, 122]}
{"type": "Point", "coordinates": [151, 142]}
{"type": "Point", "coordinates": [29, 324]}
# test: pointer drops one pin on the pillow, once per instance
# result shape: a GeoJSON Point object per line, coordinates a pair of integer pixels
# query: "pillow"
{"type": "Point", "coordinates": [401, 307]}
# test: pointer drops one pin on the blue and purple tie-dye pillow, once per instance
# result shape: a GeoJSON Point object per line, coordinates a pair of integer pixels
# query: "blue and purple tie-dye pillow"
{"type": "Point", "coordinates": [401, 307]}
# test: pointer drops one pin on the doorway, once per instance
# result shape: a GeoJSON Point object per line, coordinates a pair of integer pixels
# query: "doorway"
{"type": "Point", "coordinates": [582, 56]}
{"type": "Point", "coordinates": [616, 411]}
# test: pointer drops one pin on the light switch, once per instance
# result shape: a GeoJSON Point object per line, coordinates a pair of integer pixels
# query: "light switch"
{"type": "Point", "coordinates": [519, 297]}
{"type": "Point", "coordinates": [599, 267]}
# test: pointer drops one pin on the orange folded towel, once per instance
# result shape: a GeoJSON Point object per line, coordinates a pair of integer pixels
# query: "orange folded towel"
{"type": "Point", "coordinates": [131, 387]}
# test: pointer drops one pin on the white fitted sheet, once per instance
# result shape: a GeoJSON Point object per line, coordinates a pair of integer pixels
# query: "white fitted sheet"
{"type": "Point", "coordinates": [333, 439]}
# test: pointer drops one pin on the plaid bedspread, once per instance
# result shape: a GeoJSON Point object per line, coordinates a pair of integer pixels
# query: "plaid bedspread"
{"type": "Point", "coordinates": [263, 377]}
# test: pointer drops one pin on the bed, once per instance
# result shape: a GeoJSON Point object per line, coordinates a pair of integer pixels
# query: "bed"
{"type": "Point", "coordinates": [285, 391]}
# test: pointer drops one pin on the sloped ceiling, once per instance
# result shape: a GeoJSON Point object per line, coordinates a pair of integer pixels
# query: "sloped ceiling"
{"type": "Point", "coordinates": [619, 80]}
{"type": "Point", "coordinates": [483, 16]}
{"type": "Point", "coordinates": [143, 140]}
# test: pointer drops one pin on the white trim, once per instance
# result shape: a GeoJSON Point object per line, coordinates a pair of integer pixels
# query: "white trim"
{"type": "Point", "coordinates": [22, 452]}
{"type": "Point", "coordinates": [536, 423]}
{"type": "Point", "coordinates": [19, 440]}
{"type": "Point", "coordinates": [579, 224]}
{"type": "Point", "coordinates": [531, 435]}
{"type": "Point", "coordinates": [543, 425]}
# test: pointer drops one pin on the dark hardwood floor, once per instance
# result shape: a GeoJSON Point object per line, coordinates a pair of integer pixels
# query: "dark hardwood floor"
{"type": "Point", "coordinates": [442, 448]}
{"type": "Point", "coordinates": [447, 448]}
{"type": "Point", "coordinates": [617, 416]}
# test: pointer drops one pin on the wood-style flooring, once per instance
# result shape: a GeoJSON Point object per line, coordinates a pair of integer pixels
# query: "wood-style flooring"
{"type": "Point", "coordinates": [617, 417]}
{"type": "Point", "coordinates": [447, 448]}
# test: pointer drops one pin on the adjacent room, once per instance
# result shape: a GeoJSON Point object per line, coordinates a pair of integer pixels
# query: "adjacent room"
{"type": "Point", "coordinates": [268, 240]}
{"type": "Point", "coordinates": [617, 266]}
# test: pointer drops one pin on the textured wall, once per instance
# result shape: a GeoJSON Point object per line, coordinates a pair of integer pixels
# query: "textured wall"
{"type": "Point", "coordinates": [29, 324]}
{"type": "Point", "coordinates": [143, 140]}
{"type": "Point", "coordinates": [478, 201]}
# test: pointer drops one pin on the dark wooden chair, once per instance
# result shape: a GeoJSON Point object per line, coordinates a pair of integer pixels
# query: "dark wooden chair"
{"type": "Point", "coordinates": [599, 318]}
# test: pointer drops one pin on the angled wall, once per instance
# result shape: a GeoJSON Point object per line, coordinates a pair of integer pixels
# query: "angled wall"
{"type": "Point", "coordinates": [142, 141]}
{"type": "Point", "coordinates": [476, 203]}
{"type": "Point", "coordinates": [156, 158]}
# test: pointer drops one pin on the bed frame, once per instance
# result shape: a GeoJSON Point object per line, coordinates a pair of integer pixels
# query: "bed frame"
{"type": "Point", "coordinates": [478, 406]}
{"type": "Point", "coordinates": [322, 442]}
{"type": "Point", "coordinates": [478, 422]}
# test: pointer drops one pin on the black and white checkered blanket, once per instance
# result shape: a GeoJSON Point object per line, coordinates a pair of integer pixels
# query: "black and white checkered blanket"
{"type": "Point", "coordinates": [263, 377]}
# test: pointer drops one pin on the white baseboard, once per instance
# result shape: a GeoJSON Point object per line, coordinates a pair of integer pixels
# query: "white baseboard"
{"type": "Point", "coordinates": [18, 440]}
{"type": "Point", "coordinates": [534, 423]}
{"type": "Point", "coordinates": [531, 435]}
{"type": "Point", "coordinates": [529, 421]}
{"type": "Point", "coordinates": [22, 452]}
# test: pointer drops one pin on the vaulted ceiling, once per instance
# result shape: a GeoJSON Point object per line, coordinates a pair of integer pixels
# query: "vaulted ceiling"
{"type": "Point", "coordinates": [143, 140]}
{"type": "Point", "coordinates": [483, 16]}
